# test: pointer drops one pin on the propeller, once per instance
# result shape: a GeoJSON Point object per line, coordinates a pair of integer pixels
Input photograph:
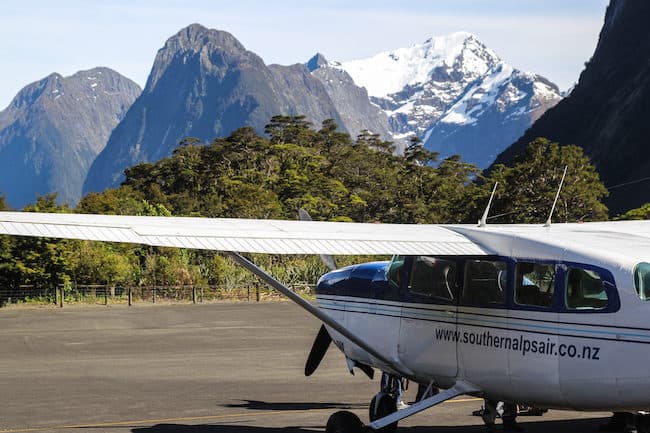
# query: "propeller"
{"type": "Point", "coordinates": [323, 339]}
{"type": "Point", "coordinates": [318, 350]}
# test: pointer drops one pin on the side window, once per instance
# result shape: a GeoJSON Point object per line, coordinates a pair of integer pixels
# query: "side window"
{"type": "Point", "coordinates": [433, 277]}
{"type": "Point", "coordinates": [394, 271]}
{"type": "Point", "coordinates": [642, 280]}
{"type": "Point", "coordinates": [584, 290]}
{"type": "Point", "coordinates": [534, 284]}
{"type": "Point", "coordinates": [485, 282]}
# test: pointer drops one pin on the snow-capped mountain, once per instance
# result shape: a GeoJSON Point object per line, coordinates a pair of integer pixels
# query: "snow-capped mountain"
{"type": "Point", "coordinates": [454, 93]}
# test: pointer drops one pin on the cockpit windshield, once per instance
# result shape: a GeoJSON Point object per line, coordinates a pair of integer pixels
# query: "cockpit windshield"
{"type": "Point", "coordinates": [394, 270]}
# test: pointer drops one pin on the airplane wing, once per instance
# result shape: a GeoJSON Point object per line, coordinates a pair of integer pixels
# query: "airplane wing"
{"type": "Point", "coordinates": [234, 236]}
{"type": "Point", "coordinates": [245, 235]}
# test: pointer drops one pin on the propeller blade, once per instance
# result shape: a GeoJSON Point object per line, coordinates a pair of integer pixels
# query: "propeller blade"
{"type": "Point", "coordinates": [325, 258]}
{"type": "Point", "coordinates": [318, 350]}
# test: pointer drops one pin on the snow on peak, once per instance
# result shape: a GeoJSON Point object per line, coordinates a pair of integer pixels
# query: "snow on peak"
{"type": "Point", "coordinates": [391, 71]}
{"type": "Point", "coordinates": [481, 96]}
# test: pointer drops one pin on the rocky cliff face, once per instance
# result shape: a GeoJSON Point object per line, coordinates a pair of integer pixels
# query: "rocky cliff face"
{"type": "Point", "coordinates": [455, 94]}
{"type": "Point", "coordinates": [607, 111]}
{"type": "Point", "coordinates": [205, 84]}
{"type": "Point", "coordinates": [352, 102]}
{"type": "Point", "coordinates": [53, 130]}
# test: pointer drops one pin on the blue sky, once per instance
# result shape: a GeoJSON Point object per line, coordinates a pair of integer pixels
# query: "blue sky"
{"type": "Point", "coordinates": [551, 37]}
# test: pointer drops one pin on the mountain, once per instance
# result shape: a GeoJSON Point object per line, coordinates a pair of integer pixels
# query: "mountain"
{"type": "Point", "coordinates": [607, 111]}
{"type": "Point", "coordinates": [54, 128]}
{"type": "Point", "coordinates": [455, 94]}
{"type": "Point", "coordinates": [351, 101]}
{"type": "Point", "coordinates": [205, 84]}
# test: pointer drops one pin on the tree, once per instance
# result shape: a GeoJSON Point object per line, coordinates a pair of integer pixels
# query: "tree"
{"type": "Point", "coordinates": [103, 263]}
{"type": "Point", "coordinates": [415, 153]}
{"type": "Point", "coordinates": [7, 263]}
{"type": "Point", "coordinates": [289, 129]}
{"type": "Point", "coordinates": [43, 262]}
{"type": "Point", "coordinates": [641, 213]}
{"type": "Point", "coordinates": [247, 175]}
{"type": "Point", "coordinates": [527, 189]}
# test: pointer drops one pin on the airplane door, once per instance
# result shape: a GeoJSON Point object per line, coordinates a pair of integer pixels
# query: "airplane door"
{"type": "Point", "coordinates": [533, 324]}
{"type": "Point", "coordinates": [427, 341]}
{"type": "Point", "coordinates": [482, 323]}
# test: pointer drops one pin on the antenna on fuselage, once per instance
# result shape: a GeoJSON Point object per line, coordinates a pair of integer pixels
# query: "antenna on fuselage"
{"type": "Point", "coordinates": [557, 195]}
{"type": "Point", "coordinates": [483, 221]}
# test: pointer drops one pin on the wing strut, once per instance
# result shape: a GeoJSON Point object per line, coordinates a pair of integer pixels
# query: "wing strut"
{"type": "Point", "coordinates": [461, 387]}
{"type": "Point", "coordinates": [320, 314]}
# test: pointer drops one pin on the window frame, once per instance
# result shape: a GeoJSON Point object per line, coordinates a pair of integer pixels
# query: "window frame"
{"type": "Point", "coordinates": [434, 299]}
{"type": "Point", "coordinates": [461, 282]}
{"type": "Point", "coordinates": [566, 273]}
{"type": "Point", "coordinates": [609, 284]}
{"type": "Point", "coordinates": [555, 303]}
{"type": "Point", "coordinates": [559, 292]}
{"type": "Point", "coordinates": [561, 268]}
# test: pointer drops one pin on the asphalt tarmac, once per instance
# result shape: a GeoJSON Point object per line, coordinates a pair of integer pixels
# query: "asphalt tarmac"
{"type": "Point", "coordinates": [214, 368]}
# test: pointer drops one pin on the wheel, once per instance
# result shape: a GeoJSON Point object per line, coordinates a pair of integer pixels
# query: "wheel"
{"type": "Point", "coordinates": [381, 405]}
{"type": "Point", "coordinates": [344, 422]}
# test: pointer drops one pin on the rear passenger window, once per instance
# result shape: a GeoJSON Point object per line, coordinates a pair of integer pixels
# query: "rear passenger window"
{"type": "Point", "coordinates": [534, 284]}
{"type": "Point", "coordinates": [642, 280]}
{"type": "Point", "coordinates": [433, 277]}
{"type": "Point", "coordinates": [485, 282]}
{"type": "Point", "coordinates": [584, 290]}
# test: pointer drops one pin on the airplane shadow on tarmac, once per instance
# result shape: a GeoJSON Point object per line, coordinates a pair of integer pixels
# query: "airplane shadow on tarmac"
{"type": "Point", "coordinates": [564, 426]}
{"type": "Point", "coordinates": [263, 405]}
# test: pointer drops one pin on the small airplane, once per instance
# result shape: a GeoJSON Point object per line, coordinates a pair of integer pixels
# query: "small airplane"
{"type": "Point", "coordinates": [547, 316]}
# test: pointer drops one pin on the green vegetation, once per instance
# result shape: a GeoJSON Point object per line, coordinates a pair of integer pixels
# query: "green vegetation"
{"type": "Point", "coordinates": [527, 189]}
{"type": "Point", "coordinates": [294, 166]}
{"type": "Point", "coordinates": [641, 213]}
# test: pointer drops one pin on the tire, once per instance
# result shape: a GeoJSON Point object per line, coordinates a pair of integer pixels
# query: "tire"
{"type": "Point", "coordinates": [381, 405]}
{"type": "Point", "coordinates": [344, 422]}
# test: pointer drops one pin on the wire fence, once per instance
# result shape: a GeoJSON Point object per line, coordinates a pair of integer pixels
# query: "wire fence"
{"type": "Point", "coordinates": [112, 295]}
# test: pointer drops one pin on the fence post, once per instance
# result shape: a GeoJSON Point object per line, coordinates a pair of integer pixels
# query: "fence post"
{"type": "Point", "coordinates": [248, 294]}
{"type": "Point", "coordinates": [61, 296]}
{"type": "Point", "coordinates": [257, 293]}
{"type": "Point", "coordinates": [153, 295]}
{"type": "Point", "coordinates": [193, 294]}
{"type": "Point", "coordinates": [201, 294]}
{"type": "Point", "coordinates": [106, 295]}
{"type": "Point", "coordinates": [130, 297]}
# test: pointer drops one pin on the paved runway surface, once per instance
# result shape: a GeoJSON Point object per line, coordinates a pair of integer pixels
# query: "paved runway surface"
{"type": "Point", "coordinates": [217, 368]}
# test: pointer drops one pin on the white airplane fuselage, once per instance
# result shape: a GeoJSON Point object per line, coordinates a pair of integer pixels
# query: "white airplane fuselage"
{"type": "Point", "coordinates": [583, 346]}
